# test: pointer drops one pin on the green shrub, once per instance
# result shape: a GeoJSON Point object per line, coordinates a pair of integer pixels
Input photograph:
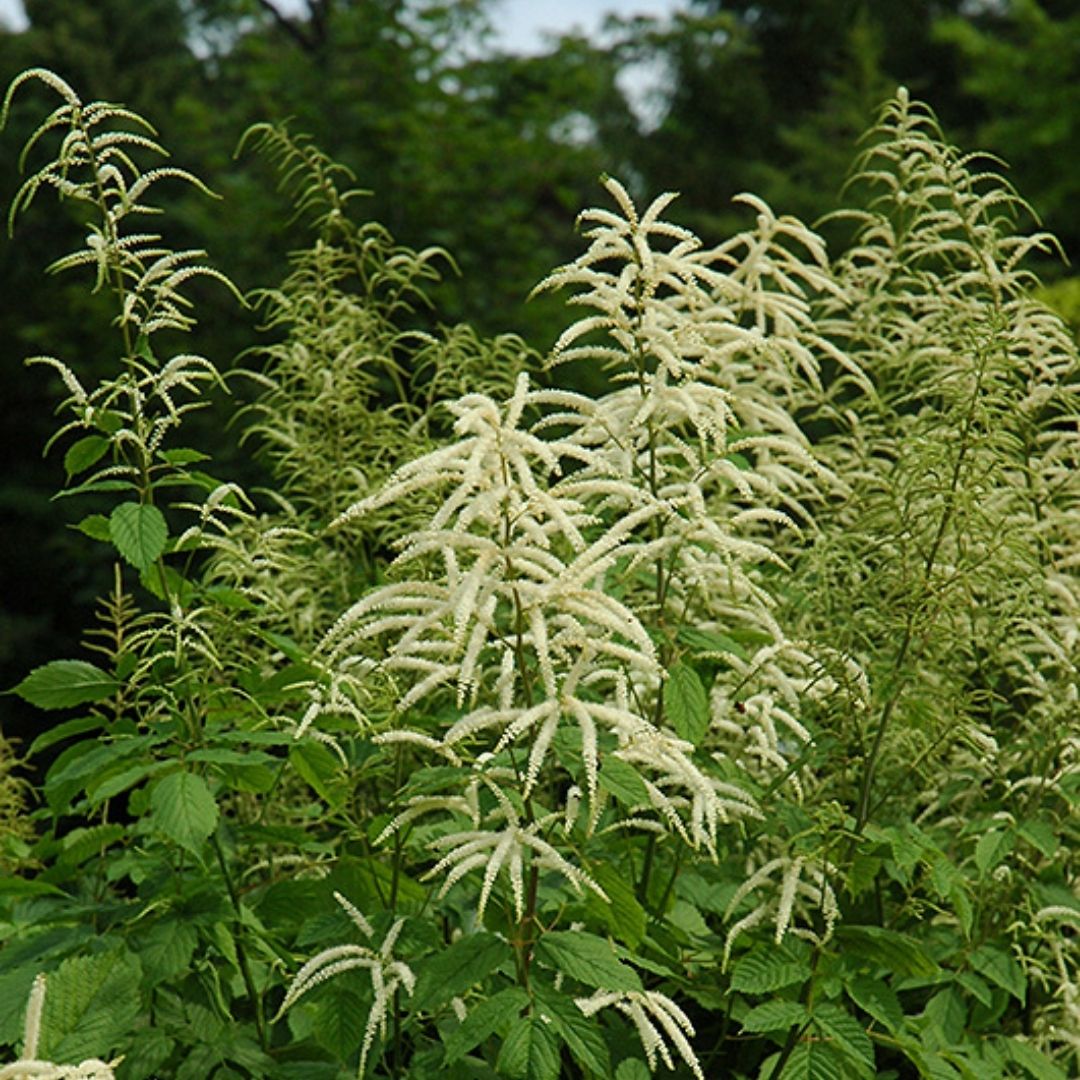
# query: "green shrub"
{"type": "Point", "coordinates": [724, 720]}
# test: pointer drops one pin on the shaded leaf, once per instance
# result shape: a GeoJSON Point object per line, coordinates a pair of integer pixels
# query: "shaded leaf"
{"type": "Point", "coordinates": [458, 968]}
{"type": "Point", "coordinates": [878, 999]}
{"type": "Point", "coordinates": [1001, 969]}
{"type": "Point", "coordinates": [483, 1020]}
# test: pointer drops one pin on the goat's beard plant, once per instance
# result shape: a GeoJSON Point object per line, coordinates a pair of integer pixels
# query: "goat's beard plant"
{"type": "Point", "coordinates": [614, 746]}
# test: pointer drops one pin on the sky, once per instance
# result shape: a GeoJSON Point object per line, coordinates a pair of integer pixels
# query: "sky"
{"type": "Point", "coordinates": [521, 24]}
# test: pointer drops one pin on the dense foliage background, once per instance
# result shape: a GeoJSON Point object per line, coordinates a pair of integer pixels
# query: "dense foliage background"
{"type": "Point", "coordinates": [490, 156]}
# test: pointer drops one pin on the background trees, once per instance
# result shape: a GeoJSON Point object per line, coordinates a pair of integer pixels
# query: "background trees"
{"type": "Point", "coordinates": [490, 156]}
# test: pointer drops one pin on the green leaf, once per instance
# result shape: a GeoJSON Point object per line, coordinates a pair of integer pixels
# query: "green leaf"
{"type": "Point", "coordinates": [624, 782]}
{"type": "Point", "coordinates": [183, 809]}
{"type": "Point", "coordinates": [458, 968]}
{"type": "Point", "coordinates": [84, 453]}
{"type": "Point", "coordinates": [63, 683]}
{"type": "Point", "coordinates": [841, 1030]}
{"type": "Point", "coordinates": [708, 643]}
{"type": "Point", "coordinates": [96, 485]}
{"type": "Point", "coordinates": [1042, 836]}
{"type": "Point", "coordinates": [91, 1003]}
{"type": "Point", "coordinates": [340, 1016]}
{"type": "Point", "coordinates": [321, 769]}
{"type": "Point", "coordinates": [181, 456]}
{"type": "Point", "coordinates": [992, 847]}
{"type": "Point", "coordinates": [767, 968]}
{"type": "Point", "coordinates": [81, 844]}
{"type": "Point", "coordinates": [812, 1061]}
{"type": "Point", "coordinates": [580, 1033]}
{"type": "Point", "coordinates": [108, 786]}
{"type": "Point", "coordinates": [633, 1069]}
{"type": "Point", "coordinates": [166, 949]}
{"type": "Point", "coordinates": [587, 958]}
{"type": "Point", "coordinates": [686, 704]}
{"type": "Point", "coordinates": [1034, 1062]}
{"type": "Point", "coordinates": [775, 1016]}
{"type": "Point", "coordinates": [976, 987]}
{"type": "Point", "coordinates": [15, 984]}
{"type": "Point", "coordinates": [179, 588]}
{"type": "Point", "coordinates": [1001, 969]}
{"type": "Point", "coordinates": [483, 1020]}
{"type": "Point", "coordinates": [17, 886]}
{"type": "Point", "coordinates": [96, 526]}
{"type": "Point", "coordinates": [75, 726]}
{"type": "Point", "coordinates": [139, 532]}
{"type": "Point", "coordinates": [878, 999]}
{"type": "Point", "coordinates": [529, 1052]}
{"type": "Point", "coordinates": [947, 1012]}
{"type": "Point", "coordinates": [625, 917]}
{"type": "Point", "coordinates": [899, 953]}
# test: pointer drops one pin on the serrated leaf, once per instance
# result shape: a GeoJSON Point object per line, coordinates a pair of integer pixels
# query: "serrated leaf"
{"type": "Point", "coordinates": [96, 485]}
{"type": "Point", "coordinates": [318, 766]}
{"type": "Point", "coordinates": [775, 1016]}
{"type": "Point", "coordinates": [155, 583]}
{"type": "Point", "coordinates": [813, 1061]}
{"type": "Point", "coordinates": [182, 456]}
{"type": "Point", "coordinates": [878, 999]}
{"type": "Point", "coordinates": [899, 953]}
{"type": "Point", "coordinates": [96, 526]}
{"type": "Point", "coordinates": [165, 951]}
{"type": "Point", "coordinates": [992, 847]}
{"type": "Point", "coordinates": [183, 809]}
{"type": "Point", "coordinates": [1001, 969]}
{"type": "Point", "coordinates": [483, 1020]}
{"type": "Point", "coordinates": [61, 684]}
{"type": "Point", "coordinates": [1042, 836]}
{"type": "Point", "coordinates": [708, 643]}
{"type": "Point", "coordinates": [76, 726]}
{"type": "Point", "coordinates": [842, 1031]}
{"type": "Point", "coordinates": [1033, 1061]}
{"type": "Point", "coordinates": [633, 1069]}
{"type": "Point", "coordinates": [947, 1012]}
{"type": "Point", "coordinates": [767, 968]}
{"type": "Point", "coordinates": [139, 532]}
{"type": "Point", "coordinates": [81, 844]}
{"type": "Point", "coordinates": [529, 1052]}
{"type": "Point", "coordinates": [580, 1033]}
{"type": "Point", "coordinates": [624, 915]}
{"type": "Point", "coordinates": [458, 968]}
{"type": "Point", "coordinates": [109, 786]}
{"type": "Point", "coordinates": [588, 958]}
{"type": "Point", "coordinates": [340, 1016]}
{"type": "Point", "coordinates": [15, 984]}
{"type": "Point", "coordinates": [686, 704]}
{"type": "Point", "coordinates": [624, 782]}
{"type": "Point", "coordinates": [84, 453]}
{"type": "Point", "coordinates": [976, 987]}
{"type": "Point", "coordinates": [91, 1003]}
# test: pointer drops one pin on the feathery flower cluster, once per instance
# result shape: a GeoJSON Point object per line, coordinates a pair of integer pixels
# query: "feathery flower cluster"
{"type": "Point", "coordinates": [387, 974]}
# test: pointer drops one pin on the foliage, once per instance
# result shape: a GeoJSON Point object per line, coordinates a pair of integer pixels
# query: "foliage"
{"type": "Point", "coordinates": [722, 720]}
